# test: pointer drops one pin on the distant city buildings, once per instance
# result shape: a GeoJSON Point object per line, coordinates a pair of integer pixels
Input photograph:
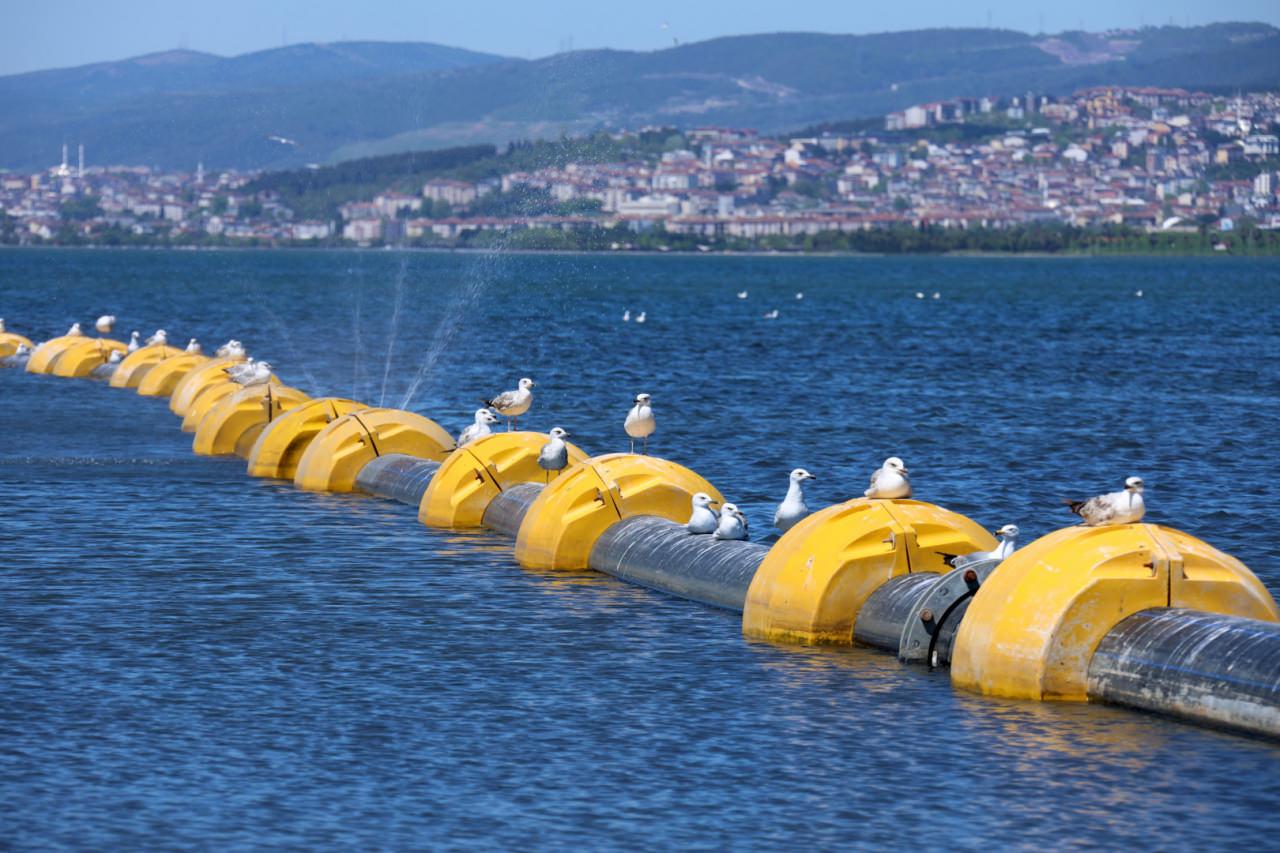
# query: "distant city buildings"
{"type": "Point", "coordinates": [1147, 158]}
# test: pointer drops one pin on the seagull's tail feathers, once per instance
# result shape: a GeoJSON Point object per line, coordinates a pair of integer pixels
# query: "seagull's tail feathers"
{"type": "Point", "coordinates": [1075, 506]}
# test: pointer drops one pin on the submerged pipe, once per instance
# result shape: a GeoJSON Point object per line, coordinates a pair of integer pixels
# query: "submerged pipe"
{"type": "Point", "coordinates": [1203, 667]}
{"type": "Point", "coordinates": [505, 512]}
{"type": "Point", "coordinates": [398, 477]}
{"type": "Point", "coordinates": [886, 612]}
{"type": "Point", "coordinates": [665, 556]}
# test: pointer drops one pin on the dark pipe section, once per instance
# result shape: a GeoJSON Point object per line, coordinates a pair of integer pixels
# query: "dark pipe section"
{"type": "Point", "coordinates": [398, 477]}
{"type": "Point", "coordinates": [883, 617]}
{"type": "Point", "coordinates": [665, 556]}
{"type": "Point", "coordinates": [505, 512]}
{"type": "Point", "coordinates": [1204, 667]}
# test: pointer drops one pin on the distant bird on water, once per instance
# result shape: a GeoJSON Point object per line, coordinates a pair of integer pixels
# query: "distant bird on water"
{"type": "Point", "coordinates": [641, 317]}
{"type": "Point", "coordinates": [742, 294]}
{"type": "Point", "coordinates": [919, 294]}
{"type": "Point", "coordinates": [74, 331]}
{"type": "Point", "coordinates": [1138, 293]}
{"type": "Point", "coordinates": [1008, 544]}
{"type": "Point", "coordinates": [640, 422]}
{"type": "Point", "coordinates": [1124, 507]}
{"type": "Point", "coordinates": [105, 323]}
{"type": "Point", "coordinates": [513, 404]}
{"type": "Point", "coordinates": [194, 348]}
{"type": "Point", "coordinates": [799, 296]}
{"type": "Point", "coordinates": [732, 524]}
{"type": "Point", "coordinates": [554, 455]}
{"type": "Point", "coordinates": [890, 480]}
{"type": "Point", "coordinates": [160, 338]}
{"type": "Point", "coordinates": [702, 519]}
{"type": "Point", "coordinates": [793, 508]}
{"type": "Point", "coordinates": [134, 346]}
{"type": "Point", "coordinates": [626, 316]}
{"type": "Point", "coordinates": [479, 428]}
{"type": "Point", "coordinates": [771, 315]}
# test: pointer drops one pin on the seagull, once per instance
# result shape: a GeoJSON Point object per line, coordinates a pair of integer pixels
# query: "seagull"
{"type": "Point", "coordinates": [193, 347]}
{"type": "Point", "coordinates": [115, 357]}
{"type": "Point", "coordinates": [937, 295]}
{"type": "Point", "coordinates": [231, 349]}
{"type": "Point", "coordinates": [259, 374]}
{"type": "Point", "coordinates": [134, 346]}
{"type": "Point", "coordinates": [1138, 293]}
{"type": "Point", "coordinates": [74, 331]}
{"type": "Point", "coordinates": [1124, 507]}
{"type": "Point", "coordinates": [640, 422]}
{"type": "Point", "coordinates": [919, 295]}
{"type": "Point", "coordinates": [513, 404]}
{"type": "Point", "coordinates": [160, 338]}
{"type": "Point", "coordinates": [243, 370]}
{"type": "Point", "coordinates": [105, 323]}
{"type": "Point", "coordinates": [478, 429]}
{"type": "Point", "coordinates": [554, 455]}
{"type": "Point", "coordinates": [283, 140]}
{"type": "Point", "coordinates": [1008, 544]}
{"type": "Point", "coordinates": [626, 316]}
{"type": "Point", "coordinates": [771, 315]}
{"type": "Point", "coordinates": [732, 525]}
{"type": "Point", "coordinates": [742, 294]}
{"type": "Point", "coordinates": [22, 349]}
{"type": "Point", "coordinates": [640, 318]}
{"type": "Point", "coordinates": [799, 296]}
{"type": "Point", "coordinates": [890, 480]}
{"type": "Point", "coordinates": [793, 508]}
{"type": "Point", "coordinates": [702, 520]}
{"type": "Point", "coordinates": [1, 325]}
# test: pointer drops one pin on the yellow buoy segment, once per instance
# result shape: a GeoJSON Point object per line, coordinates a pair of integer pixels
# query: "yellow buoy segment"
{"type": "Point", "coordinates": [80, 359]}
{"type": "Point", "coordinates": [233, 424]}
{"type": "Point", "coordinates": [280, 444]}
{"type": "Point", "coordinates": [212, 395]}
{"type": "Point", "coordinates": [196, 380]}
{"type": "Point", "coordinates": [338, 452]}
{"type": "Point", "coordinates": [164, 377]}
{"type": "Point", "coordinates": [9, 342]}
{"type": "Point", "coordinates": [474, 475]}
{"type": "Point", "coordinates": [1033, 626]}
{"type": "Point", "coordinates": [46, 354]}
{"type": "Point", "coordinates": [816, 578]}
{"type": "Point", "coordinates": [135, 365]}
{"type": "Point", "coordinates": [565, 521]}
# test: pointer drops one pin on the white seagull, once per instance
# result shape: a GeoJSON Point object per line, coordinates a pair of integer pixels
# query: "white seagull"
{"type": "Point", "coordinates": [640, 422]}
{"type": "Point", "coordinates": [115, 357]}
{"type": "Point", "coordinates": [74, 331]}
{"type": "Point", "coordinates": [236, 372]}
{"type": "Point", "coordinates": [194, 348]}
{"type": "Point", "coordinates": [742, 294]}
{"type": "Point", "coordinates": [160, 338]}
{"type": "Point", "coordinates": [22, 349]}
{"type": "Point", "coordinates": [1138, 293]}
{"type": "Point", "coordinates": [259, 373]}
{"type": "Point", "coordinates": [890, 480]}
{"type": "Point", "coordinates": [480, 428]}
{"type": "Point", "coordinates": [1008, 544]}
{"type": "Point", "coordinates": [626, 316]}
{"type": "Point", "coordinates": [1123, 507]}
{"type": "Point", "coordinates": [134, 346]}
{"type": "Point", "coordinates": [771, 315]}
{"type": "Point", "coordinates": [554, 455]}
{"type": "Point", "coordinates": [732, 525]}
{"type": "Point", "coordinates": [799, 296]}
{"type": "Point", "coordinates": [919, 294]}
{"type": "Point", "coordinates": [793, 508]}
{"type": "Point", "coordinates": [231, 349]}
{"type": "Point", "coordinates": [513, 404]}
{"type": "Point", "coordinates": [641, 317]}
{"type": "Point", "coordinates": [1, 325]}
{"type": "Point", "coordinates": [105, 323]}
{"type": "Point", "coordinates": [703, 520]}
{"type": "Point", "coordinates": [937, 295]}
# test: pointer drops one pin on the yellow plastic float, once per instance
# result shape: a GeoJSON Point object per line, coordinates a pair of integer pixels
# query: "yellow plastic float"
{"type": "Point", "coordinates": [816, 578]}
{"type": "Point", "coordinates": [135, 365]}
{"type": "Point", "coordinates": [9, 342]}
{"type": "Point", "coordinates": [43, 356]}
{"type": "Point", "coordinates": [80, 359]}
{"type": "Point", "coordinates": [474, 475]}
{"type": "Point", "coordinates": [210, 396]}
{"type": "Point", "coordinates": [163, 378]}
{"type": "Point", "coordinates": [197, 379]}
{"type": "Point", "coordinates": [1033, 626]}
{"type": "Point", "coordinates": [573, 511]}
{"type": "Point", "coordinates": [281, 443]}
{"type": "Point", "coordinates": [233, 425]}
{"type": "Point", "coordinates": [338, 452]}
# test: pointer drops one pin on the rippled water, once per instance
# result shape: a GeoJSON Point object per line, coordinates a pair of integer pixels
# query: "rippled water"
{"type": "Point", "coordinates": [193, 658]}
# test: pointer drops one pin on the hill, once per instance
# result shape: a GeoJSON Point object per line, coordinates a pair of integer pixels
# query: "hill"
{"type": "Point", "coordinates": [336, 102]}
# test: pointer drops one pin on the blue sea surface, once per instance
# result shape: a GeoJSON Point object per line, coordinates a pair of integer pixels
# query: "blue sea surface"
{"type": "Point", "coordinates": [193, 658]}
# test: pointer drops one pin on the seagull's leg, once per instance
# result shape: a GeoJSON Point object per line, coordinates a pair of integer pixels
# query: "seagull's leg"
{"type": "Point", "coordinates": [646, 446]}
{"type": "Point", "coordinates": [633, 445]}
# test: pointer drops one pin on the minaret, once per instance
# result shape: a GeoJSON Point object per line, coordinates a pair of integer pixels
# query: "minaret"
{"type": "Point", "coordinates": [80, 171]}
{"type": "Point", "coordinates": [64, 158]}
{"type": "Point", "coordinates": [200, 172]}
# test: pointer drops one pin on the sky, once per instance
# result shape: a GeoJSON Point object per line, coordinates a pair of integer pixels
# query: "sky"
{"type": "Point", "coordinates": [60, 33]}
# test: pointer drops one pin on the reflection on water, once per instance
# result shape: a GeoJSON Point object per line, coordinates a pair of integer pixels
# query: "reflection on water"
{"type": "Point", "coordinates": [194, 656]}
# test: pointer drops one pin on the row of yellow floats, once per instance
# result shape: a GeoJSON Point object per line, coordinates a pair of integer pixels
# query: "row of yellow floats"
{"type": "Point", "coordinates": [1029, 632]}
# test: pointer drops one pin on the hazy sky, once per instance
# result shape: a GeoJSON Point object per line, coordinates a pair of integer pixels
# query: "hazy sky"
{"type": "Point", "coordinates": [56, 33]}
